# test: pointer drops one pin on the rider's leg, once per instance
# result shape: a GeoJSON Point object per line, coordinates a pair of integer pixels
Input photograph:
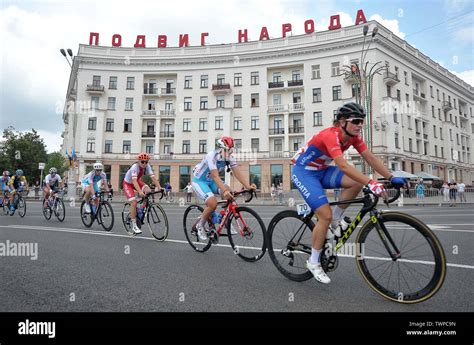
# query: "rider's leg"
{"type": "Point", "coordinates": [351, 190]}
{"type": "Point", "coordinates": [324, 215]}
{"type": "Point", "coordinates": [88, 193]}
{"type": "Point", "coordinates": [46, 191]}
{"type": "Point", "coordinates": [211, 205]}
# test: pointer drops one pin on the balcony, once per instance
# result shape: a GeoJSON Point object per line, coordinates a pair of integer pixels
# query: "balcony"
{"type": "Point", "coordinates": [95, 88]}
{"type": "Point", "coordinates": [149, 134]}
{"type": "Point", "coordinates": [277, 108]}
{"type": "Point", "coordinates": [168, 91]}
{"type": "Point", "coordinates": [150, 91]}
{"type": "Point", "coordinates": [277, 154]}
{"type": "Point", "coordinates": [298, 129]}
{"type": "Point", "coordinates": [276, 131]}
{"type": "Point", "coordinates": [351, 78]}
{"type": "Point", "coordinates": [295, 83]}
{"type": "Point", "coordinates": [221, 89]}
{"type": "Point", "coordinates": [159, 113]}
{"type": "Point", "coordinates": [419, 96]}
{"type": "Point", "coordinates": [296, 106]}
{"type": "Point", "coordinates": [447, 106]}
{"type": "Point", "coordinates": [168, 112]}
{"type": "Point", "coordinates": [390, 78]}
{"type": "Point", "coordinates": [425, 136]}
{"type": "Point", "coordinates": [167, 134]}
{"type": "Point", "coordinates": [149, 113]}
{"type": "Point", "coordinates": [276, 84]}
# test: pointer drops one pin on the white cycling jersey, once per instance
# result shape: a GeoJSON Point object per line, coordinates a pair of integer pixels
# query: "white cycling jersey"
{"type": "Point", "coordinates": [136, 172]}
{"type": "Point", "coordinates": [212, 161]}
{"type": "Point", "coordinates": [52, 180]}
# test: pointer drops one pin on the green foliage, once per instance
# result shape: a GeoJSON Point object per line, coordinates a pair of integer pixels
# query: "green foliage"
{"type": "Point", "coordinates": [57, 160]}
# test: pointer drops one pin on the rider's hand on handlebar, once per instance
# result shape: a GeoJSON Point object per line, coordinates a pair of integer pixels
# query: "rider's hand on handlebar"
{"type": "Point", "coordinates": [140, 192]}
{"type": "Point", "coordinates": [228, 195]}
{"type": "Point", "coordinates": [378, 189]}
{"type": "Point", "coordinates": [253, 187]}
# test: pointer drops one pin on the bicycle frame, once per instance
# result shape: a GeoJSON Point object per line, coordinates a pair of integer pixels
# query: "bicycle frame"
{"type": "Point", "coordinates": [231, 207]}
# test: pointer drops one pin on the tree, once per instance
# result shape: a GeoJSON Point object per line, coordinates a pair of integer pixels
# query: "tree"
{"type": "Point", "coordinates": [22, 150]}
{"type": "Point", "coordinates": [57, 160]}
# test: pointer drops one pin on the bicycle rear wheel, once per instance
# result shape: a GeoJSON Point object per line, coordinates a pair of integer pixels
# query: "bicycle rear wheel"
{"type": "Point", "coordinates": [126, 220]}
{"type": "Point", "coordinates": [419, 269]}
{"type": "Point", "coordinates": [157, 222]}
{"type": "Point", "coordinates": [60, 210]}
{"type": "Point", "coordinates": [190, 219]}
{"type": "Point", "coordinates": [21, 206]}
{"type": "Point", "coordinates": [87, 218]}
{"type": "Point", "coordinates": [289, 244]}
{"type": "Point", "coordinates": [106, 216]}
{"type": "Point", "coordinates": [246, 234]}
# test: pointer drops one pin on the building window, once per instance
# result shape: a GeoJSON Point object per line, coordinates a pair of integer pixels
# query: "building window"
{"type": "Point", "coordinates": [186, 146]}
{"type": "Point", "coordinates": [336, 93]}
{"type": "Point", "coordinates": [188, 103]}
{"type": "Point", "coordinates": [254, 123]}
{"type": "Point", "coordinates": [276, 174]}
{"type": "Point", "coordinates": [108, 146]}
{"type": "Point", "coordinates": [203, 103]}
{"type": "Point", "coordinates": [255, 174]}
{"type": "Point", "coordinates": [130, 83]}
{"type": "Point", "coordinates": [278, 145]}
{"type": "Point", "coordinates": [315, 72]}
{"type": "Point", "coordinates": [276, 77]}
{"type": "Point", "coordinates": [317, 118]}
{"type": "Point", "coordinates": [186, 125]}
{"type": "Point", "coordinates": [254, 79]}
{"type": "Point", "coordinates": [220, 79]}
{"type": "Point", "coordinates": [435, 133]}
{"type": "Point", "coordinates": [165, 173]}
{"type": "Point", "coordinates": [395, 116]}
{"type": "Point", "coordinates": [355, 89]}
{"type": "Point", "coordinates": [188, 82]}
{"type": "Point", "coordinates": [219, 122]}
{"type": "Point", "coordinates": [237, 79]}
{"type": "Point", "coordinates": [441, 133]}
{"type": "Point", "coordinates": [92, 123]}
{"type": "Point", "coordinates": [238, 145]}
{"type": "Point", "coordinates": [202, 125]}
{"type": "Point", "coordinates": [90, 145]}
{"type": "Point", "coordinates": [436, 150]}
{"type": "Point", "coordinates": [295, 75]}
{"type": "Point", "coordinates": [202, 146]}
{"type": "Point", "coordinates": [255, 100]}
{"type": "Point", "coordinates": [431, 91]}
{"type": "Point", "coordinates": [437, 94]}
{"type": "Point", "coordinates": [439, 113]}
{"type": "Point", "coordinates": [255, 144]}
{"type": "Point", "coordinates": [442, 152]}
{"type": "Point", "coordinates": [95, 102]}
{"type": "Point", "coordinates": [335, 69]}
{"type": "Point", "coordinates": [405, 75]}
{"type": "Point", "coordinates": [127, 125]}
{"type": "Point", "coordinates": [113, 83]}
{"type": "Point", "coordinates": [204, 82]}
{"type": "Point", "coordinates": [128, 103]}
{"type": "Point", "coordinates": [237, 124]}
{"type": "Point", "coordinates": [220, 101]}
{"type": "Point", "coordinates": [184, 176]}
{"type": "Point", "coordinates": [96, 80]}
{"type": "Point", "coordinates": [151, 104]}
{"type": "Point", "coordinates": [237, 101]}
{"type": "Point", "coordinates": [297, 143]}
{"type": "Point", "coordinates": [296, 97]}
{"type": "Point", "coordinates": [109, 125]}
{"type": "Point", "coordinates": [166, 148]}
{"type": "Point", "coordinates": [396, 141]}
{"type": "Point", "coordinates": [389, 91]}
{"type": "Point", "coordinates": [111, 103]}
{"type": "Point", "coordinates": [317, 95]}
{"type": "Point", "coordinates": [410, 145]}
{"type": "Point", "coordinates": [150, 147]}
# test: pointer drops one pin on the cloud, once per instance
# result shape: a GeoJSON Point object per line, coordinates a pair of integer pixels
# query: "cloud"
{"type": "Point", "coordinates": [465, 34]}
{"type": "Point", "coordinates": [391, 24]}
{"type": "Point", "coordinates": [467, 76]}
{"type": "Point", "coordinates": [51, 139]}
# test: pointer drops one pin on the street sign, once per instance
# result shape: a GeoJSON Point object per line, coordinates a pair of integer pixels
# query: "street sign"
{"type": "Point", "coordinates": [41, 166]}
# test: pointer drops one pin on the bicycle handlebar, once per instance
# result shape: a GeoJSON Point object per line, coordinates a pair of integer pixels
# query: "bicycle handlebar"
{"type": "Point", "coordinates": [162, 191]}
{"type": "Point", "coordinates": [252, 193]}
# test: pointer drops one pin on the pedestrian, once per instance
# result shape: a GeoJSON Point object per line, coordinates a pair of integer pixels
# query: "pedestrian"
{"type": "Point", "coordinates": [420, 193]}
{"type": "Point", "coordinates": [461, 188]}
{"type": "Point", "coordinates": [280, 193]}
{"type": "Point", "coordinates": [337, 193]}
{"type": "Point", "coordinates": [111, 190]}
{"type": "Point", "coordinates": [189, 192]}
{"type": "Point", "coordinates": [273, 192]}
{"type": "Point", "coordinates": [37, 188]}
{"type": "Point", "coordinates": [168, 192]}
{"type": "Point", "coordinates": [452, 193]}
{"type": "Point", "coordinates": [445, 189]}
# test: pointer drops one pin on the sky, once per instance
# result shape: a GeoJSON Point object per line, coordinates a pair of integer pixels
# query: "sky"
{"type": "Point", "coordinates": [34, 75]}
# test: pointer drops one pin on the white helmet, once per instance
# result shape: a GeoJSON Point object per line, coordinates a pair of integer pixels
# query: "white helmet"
{"type": "Point", "coordinates": [98, 166]}
{"type": "Point", "coordinates": [53, 171]}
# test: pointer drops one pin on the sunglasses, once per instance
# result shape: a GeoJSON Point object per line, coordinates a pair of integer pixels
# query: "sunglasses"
{"type": "Point", "coordinates": [144, 162]}
{"type": "Point", "coordinates": [356, 121]}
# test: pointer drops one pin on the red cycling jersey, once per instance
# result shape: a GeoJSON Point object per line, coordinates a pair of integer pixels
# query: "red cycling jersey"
{"type": "Point", "coordinates": [323, 147]}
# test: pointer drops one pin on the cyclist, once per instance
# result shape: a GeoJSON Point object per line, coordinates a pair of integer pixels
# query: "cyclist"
{"type": "Point", "coordinates": [16, 184]}
{"type": "Point", "coordinates": [51, 184]}
{"type": "Point", "coordinates": [4, 185]}
{"type": "Point", "coordinates": [91, 183]}
{"type": "Point", "coordinates": [133, 182]}
{"type": "Point", "coordinates": [206, 181]}
{"type": "Point", "coordinates": [312, 174]}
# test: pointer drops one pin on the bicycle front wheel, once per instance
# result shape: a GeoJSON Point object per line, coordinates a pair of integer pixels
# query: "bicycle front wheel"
{"type": "Point", "coordinates": [21, 206]}
{"type": "Point", "coordinates": [246, 233]}
{"type": "Point", "coordinates": [60, 210]}
{"type": "Point", "coordinates": [289, 244]}
{"type": "Point", "coordinates": [87, 218]}
{"type": "Point", "coordinates": [157, 222]}
{"type": "Point", "coordinates": [47, 212]}
{"type": "Point", "coordinates": [106, 216]}
{"type": "Point", "coordinates": [126, 220]}
{"type": "Point", "coordinates": [190, 219]}
{"type": "Point", "coordinates": [417, 267]}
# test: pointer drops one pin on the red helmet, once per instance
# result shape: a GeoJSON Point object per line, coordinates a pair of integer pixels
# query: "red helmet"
{"type": "Point", "coordinates": [225, 143]}
{"type": "Point", "coordinates": [143, 156]}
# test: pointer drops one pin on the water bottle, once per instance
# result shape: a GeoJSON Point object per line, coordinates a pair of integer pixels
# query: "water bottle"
{"type": "Point", "coordinates": [343, 225]}
{"type": "Point", "coordinates": [216, 218]}
{"type": "Point", "coordinates": [94, 208]}
{"type": "Point", "coordinates": [140, 211]}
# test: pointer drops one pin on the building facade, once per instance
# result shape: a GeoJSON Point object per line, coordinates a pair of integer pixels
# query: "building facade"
{"type": "Point", "coordinates": [271, 96]}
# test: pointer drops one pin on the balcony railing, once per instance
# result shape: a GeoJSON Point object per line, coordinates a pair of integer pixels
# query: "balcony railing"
{"type": "Point", "coordinates": [150, 91]}
{"type": "Point", "coordinates": [167, 134]}
{"type": "Point", "coordinates": [277, 108]}
{"type": "Point", "coordinates": [95, 88]}
{"type": "Point", "coordinates": [168, 91]}
{"type": "Point", "coordinates": [168, 112]}
{"type": "Point", "coordinates": [275, 84]}
{"type": "Point", "coordinates": [390, 78]}
{"type": "Point", "coordinates": [447, 106]}
{"type": "Point", "coordinates": [149, 134]}
{"type": "Point", "coordinates": [298, 129]}
{"type": "Point", "coordinates": [221, 88]}
{"type": "Point", "coordinates": [149, 113]}
{"type": "Point", "coordinates": [298, 82]}
{"type": "Point", "coordinates": [296, 106]}
{"type": "Point", "coordinates": [276, 131]}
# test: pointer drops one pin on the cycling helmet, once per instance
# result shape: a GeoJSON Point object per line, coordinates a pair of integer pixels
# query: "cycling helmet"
{"type": "Point", "coordinates": [19, 172]}
{"type": "Point", "coordinates": [53, 171]}
{"type": "Point", "coordinates": [98, 166]}
{"type": "Point", "coordinates": [351, 110]}
{"type": "Point", "coordinates": [225, 143]}
{"type": "Point", "coordinates": [143, 156]}
{"type": "Point", "coordinates": [6, 173]}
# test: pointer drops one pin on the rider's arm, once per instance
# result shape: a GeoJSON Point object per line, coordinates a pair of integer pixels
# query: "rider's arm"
{"type": "Point", "coordinates": [156, 182]}
{"type": "Point", "coordinates": [375, 163]}
{"type": "Point", "coordinates": [350, 171]}
{"type": "Point", "coordinates": [239, 176]}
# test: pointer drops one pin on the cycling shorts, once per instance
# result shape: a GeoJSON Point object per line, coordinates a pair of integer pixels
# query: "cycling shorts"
{"type": "Point", "coordinates": [129, 189]}
{"type": "Point", "coordinates": [86, 183]}
{"type": "Point", "coordinates": [204, 189]}
{"type": "Point", "coordinates": [312, 183]}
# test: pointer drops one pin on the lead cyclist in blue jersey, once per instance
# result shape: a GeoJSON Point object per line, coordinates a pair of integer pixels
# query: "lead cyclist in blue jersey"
{"type": "Point", "coordinates": [91, 182]}
{"type": "Point", "coordinates": [206, 181]}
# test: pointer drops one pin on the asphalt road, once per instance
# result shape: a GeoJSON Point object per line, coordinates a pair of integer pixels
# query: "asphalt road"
{"type": "Point", "coordinates": [80, 269]}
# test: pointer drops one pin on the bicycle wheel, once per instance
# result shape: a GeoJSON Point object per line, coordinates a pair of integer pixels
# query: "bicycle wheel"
{"type": "Point", "coordinates": [246, 234]}
{"type": "Point", "coordinates": [418, 271]}
{"type": "Point", "coordinates": [60, 210]}
{"type": "Point", "coordinates": [157, 222]}
{"type": "Point", "coordinates": [126, 220]}
{"type": "Point", "coordinates": [289, 244]}
{"type": "Point", "coordinates": [106, 216]}
{"type": "Point", "coordinates": [21, 207]}
{"type": "Point", "coordinates": [190, 219]}
{"type": "Point", "coordinates": [87, 218]}
{"type": "Point", "coordinates": [47, 212]}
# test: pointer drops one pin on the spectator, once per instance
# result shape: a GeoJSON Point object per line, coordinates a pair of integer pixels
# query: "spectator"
{"type": "Point", "coordinates": [37, 188]}
{"type": "Point", "coordinates": [168, 191]}
{"type": "Point", "coordinates": [273, 192]}
{"type": "Point", "coordinates": [337, 193]}
{"type": "Point", "coordinates": [280, 193]}
{"type": "Point", "coordinates": [452, 193]}
{"type": "Point", "coordinates": [111, 190]}
{"type": "Point", "coordinates": [420, 193]}
{"type": "Point", "coordinates": [462, 196]}
{"type": "Point", "coordinates": [445, 189]}
{"type": "Point", "coordinates": [189, 192]}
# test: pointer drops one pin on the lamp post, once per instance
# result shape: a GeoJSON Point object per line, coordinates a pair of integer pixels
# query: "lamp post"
{"type": "Point", "coordinates": [72, 169]}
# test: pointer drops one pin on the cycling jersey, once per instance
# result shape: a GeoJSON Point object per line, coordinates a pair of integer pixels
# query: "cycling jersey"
{"type": "Point", "coordinates": [4, 182]}
{"type": "Point", "coordinates": [137, 172]}
{"type": "Point", "coordinates": [212, 161]}
{"type": "Point", "coordinates": [52, 180]}
{"type": "Point", "coordinates": [323, 147]}
{"type": "Point", "coordinates": [93, 178]}
{"type": "Point", "coordinates": [15, 182]}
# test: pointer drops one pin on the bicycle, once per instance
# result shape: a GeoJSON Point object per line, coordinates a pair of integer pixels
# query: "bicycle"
{"type": "Point", "coordinates": [242, 233]}
{"type": "Point", "coordinates": [155, 216]}
{"type": "Point", "coordinates": [5, 202]}
{"type": "Point", "coordinates": [103, 212]}
{"type": "Point", "coordinates": [19, 203]}
{"type": "Point", "coordinates": [378, 249]}
{"type": "Point", "coordinates": [55, 205]}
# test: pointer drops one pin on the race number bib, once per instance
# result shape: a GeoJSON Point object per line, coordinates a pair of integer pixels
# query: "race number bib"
{"type": "Point", "coordinates": [303, 209]}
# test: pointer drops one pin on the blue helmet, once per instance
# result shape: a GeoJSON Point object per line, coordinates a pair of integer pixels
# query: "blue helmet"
{"type": "Point", "coordinates": [19, 172]}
